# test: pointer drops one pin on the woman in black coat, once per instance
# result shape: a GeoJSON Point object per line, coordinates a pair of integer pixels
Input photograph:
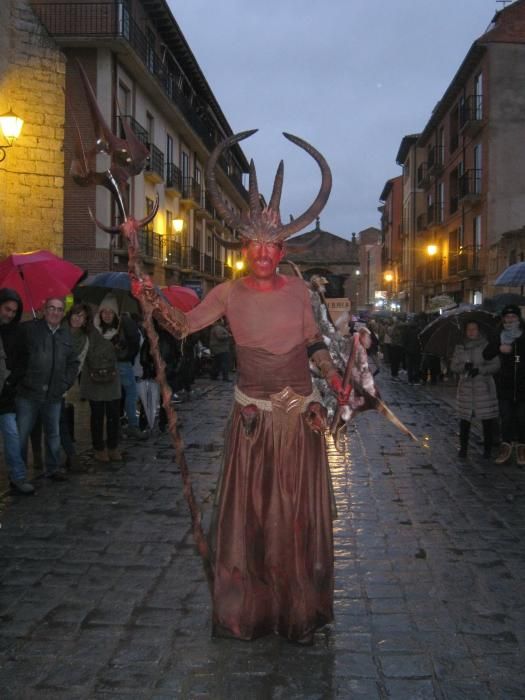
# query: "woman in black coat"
{"type": "Point", "coordinates": [510, 346]}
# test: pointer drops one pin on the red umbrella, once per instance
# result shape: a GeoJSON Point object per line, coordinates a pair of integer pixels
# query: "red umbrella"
{"type": "Point", "coordinates": [182, 298]}
{"type": "Point", "coordinates": [37, 276]}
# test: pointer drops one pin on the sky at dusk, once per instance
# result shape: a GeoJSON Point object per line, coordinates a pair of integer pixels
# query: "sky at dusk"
{"type": "Point", "coordinates": [352, 77]}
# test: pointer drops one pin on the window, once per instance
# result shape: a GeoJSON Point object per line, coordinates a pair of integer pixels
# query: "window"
{"type": "Point", "coordinates": [476, 232]}
{"type": "Point", "coordinates": [477, 107]}
{"type": "Point", "coordinates": [454, 129]}
{"type": "Point", "coordinates": [440, 156]}
{"type": "Point", "coordinates": [453, 188]}
{"type": "Point", "coordinates": [150, 126]}
{"type": "Point", "coordinates": [209, 244]}
{"type": "Point", "coordinates": [169, 149]}
{"type": "Point", "coordinates": [476, 184]}
{"type": "Point", "coordinates": [169, 222]}
{"type": "Point", "coordinates": [150, 50]}
{"type": "Point", "coordinates": [124, 98]}
{"type": "Point", "coordinates": [149, 208]}
{"type": "Point", "coordinates": [185, 164]}
{"type": "Point", "coordinates": [441, 202]}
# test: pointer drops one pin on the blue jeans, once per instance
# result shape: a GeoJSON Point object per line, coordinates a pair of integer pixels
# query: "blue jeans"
{"type": "Point", "coordinates": [12, 448]}
{"type": "Point", "coordinates": [129, 385]}
{"type": "Point", "coordinates": [27, 411]}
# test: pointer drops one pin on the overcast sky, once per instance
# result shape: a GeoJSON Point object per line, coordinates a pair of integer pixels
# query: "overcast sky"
{"type": "Point", "coordinates": [352, 77]}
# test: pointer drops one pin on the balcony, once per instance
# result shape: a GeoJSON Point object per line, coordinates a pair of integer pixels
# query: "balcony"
{"type": "Point", "coordinates": [75, 23]}
{"type": "Point", "coordinates": [191, 192]}
{"type": "Point", "coordinates": [423, 177]}
{"type": "Point", "coordinates": [431, 214]}
{"type": "Point", "coordinates": [140, 132]}
{"type": "Point", "coordinates": [421, 222]}
{"type": "Point", "coordinates": [172, 251]}
{"type": "Point", "coordinates": [191, 258]}
{"type": "Point", "coordinates": [470, 185]}
{"type": "Point", "coordinates": [150, 244]}
{"type": "Point", "coordinates": [173, 179]}
{"type": "Point", "coordinates": [471, 114]}
{"type": "Point", "coordinates": [436, 157]}
{"type": "Point", "coordinates": [470, 261]}
{"type": "Point", "coordinates": [154, 171]}
{"type": "Point", "coordinates": [228, 272]}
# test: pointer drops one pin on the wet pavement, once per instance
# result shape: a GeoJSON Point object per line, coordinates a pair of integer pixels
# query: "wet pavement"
{"type": "Point", "coordinates": [102, 594]}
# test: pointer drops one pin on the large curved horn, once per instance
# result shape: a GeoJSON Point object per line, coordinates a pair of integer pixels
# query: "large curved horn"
{"type": "Point", "coordinates": [211, 181]}
{"type": "Point", "coordinates": [151, 215]}
{"type": "Point", "coordinates": [275, 199]}
{"type": "Point", "coordinates": [229, 245]}
{"type": "Point", "coordinates": [322, 196]}
{"type": "Point", "coordinates": [107, 229]}
{"type": "Point", "coordinates": [253, 191]}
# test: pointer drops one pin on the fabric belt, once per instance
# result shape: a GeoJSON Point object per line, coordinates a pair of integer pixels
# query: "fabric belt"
{"type": "Point", "coordinates": [287, 395]}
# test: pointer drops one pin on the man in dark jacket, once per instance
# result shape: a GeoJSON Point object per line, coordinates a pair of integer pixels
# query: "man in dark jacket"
{"type": "Point", "coordinates": [46, 367]}
{"type": "Point", "coordinates": [10, 313]}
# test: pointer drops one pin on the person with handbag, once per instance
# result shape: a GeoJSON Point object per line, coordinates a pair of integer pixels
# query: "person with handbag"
{"type": "Point", "coordinates": [100, 382]}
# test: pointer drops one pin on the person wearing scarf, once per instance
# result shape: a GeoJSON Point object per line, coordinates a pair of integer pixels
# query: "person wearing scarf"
{"type": "Point", "coordinates": [476, 395]}
{"type": "Point", "coordinates": [510, 346]}
{"type": "Point", "coordinates": [100, 381]}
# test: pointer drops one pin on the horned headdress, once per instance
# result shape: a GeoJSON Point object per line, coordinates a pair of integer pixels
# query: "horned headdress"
{"type": "Point", "coordinates": [263, 222]}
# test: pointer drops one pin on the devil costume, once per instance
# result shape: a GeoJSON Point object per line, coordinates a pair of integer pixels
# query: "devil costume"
{"type": "Point", "coordinates": [272, 532]}
{"type": "Point", "coordinates": [271, 536]}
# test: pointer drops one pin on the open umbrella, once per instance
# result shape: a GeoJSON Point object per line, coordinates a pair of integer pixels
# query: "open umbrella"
{"type": "Point", "coordinates": [442, 335]}
{"type": "Point", "coordinates": [513, 276]}
{"type": "Point", "coordinates": [95, 288]}
{"type": "Point", "coordinates": [37, 276]}
{"type": "Point", "coordinates": [182, 298]}
{"type": "Point", "coordinates": [497, 303]}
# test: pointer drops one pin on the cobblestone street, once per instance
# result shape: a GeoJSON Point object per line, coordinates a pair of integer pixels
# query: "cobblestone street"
{"type": "Point", "coordinates": [102, 594]}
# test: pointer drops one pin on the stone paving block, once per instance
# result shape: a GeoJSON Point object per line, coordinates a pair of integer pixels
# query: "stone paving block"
{"type": "Point", "coordinates": [412, 690]}
{"type": "Point", "coordinates": [467, 690]}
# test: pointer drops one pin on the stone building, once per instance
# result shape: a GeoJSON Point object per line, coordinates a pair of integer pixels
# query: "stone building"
{"type": "Point", "coordinates": [32, 80]}
{"type": "Point", "coordinates": [135, 52]}
{"type": "Point", "coordinates": [464, 174]}
{"type": "Point", "coordinates": [329, 255]}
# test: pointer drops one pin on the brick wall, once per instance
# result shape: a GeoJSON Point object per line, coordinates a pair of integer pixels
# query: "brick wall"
{"type": "Point", "coordinates": [32, 79]}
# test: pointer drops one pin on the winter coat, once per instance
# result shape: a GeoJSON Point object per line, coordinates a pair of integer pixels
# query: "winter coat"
{"type": "Point", "coordinates": [476, 396]}
{"type": "Point", "coordinates": [4, 372]}
{"type": "Point", "coordinates": [8, 335]}
{"type": "Point", "coordinates": [46, 364]}
{"type": "Point", "coordinates": [128, 342]}
{"type": "Point", "coordinates": [100, 355]}
{"type": "Point", "coordinates": [510, 380]}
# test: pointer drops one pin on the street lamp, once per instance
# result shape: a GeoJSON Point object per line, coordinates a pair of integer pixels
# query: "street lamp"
{"type": "Point", "coordinates": [389, 277]}
{"type": "Point", "coordinates": [239, 266]}
{"type": "Point", "coordinates": [432, 249]}
{"type": "Point", "coordinates": [178, 225]}
{"type": "Point", "coordinates": [11, 126]}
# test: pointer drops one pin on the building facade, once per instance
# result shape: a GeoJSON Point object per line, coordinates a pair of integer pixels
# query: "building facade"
{"type": "Point", "coordinates": [464, 194]}
{"type": "Point", "coordinates": [391, 209]}
{"type": "Point", "coordinates": [32, 80]}
{"type": "Point", "coordinates": [142, 70]}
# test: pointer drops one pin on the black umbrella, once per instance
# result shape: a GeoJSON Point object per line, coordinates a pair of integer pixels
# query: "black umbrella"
{"type": "Point", "coordinates": [497, 303]}
{"type": "Point", "coordinates": [96, 287]}
{"type": "Point", "coordinates": [442, 335]}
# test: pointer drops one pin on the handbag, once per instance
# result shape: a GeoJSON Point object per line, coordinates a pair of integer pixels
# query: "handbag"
{"type": "Point", "coordinates": [103, 375]}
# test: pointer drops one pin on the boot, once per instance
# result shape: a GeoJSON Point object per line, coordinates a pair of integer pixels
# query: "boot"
{"type": "Point", "coordinates": [464, 432]}
{"type": "Point", "coordinates": [114, 455]}
{"type": "Point", "coordinates": [102, 455]}
{"type": "Point", "coordinates": [487, 438]}
{"type": "Point", "coordinates": [520, 454]}
{"type": "Point", "coordinates": [505, 451]}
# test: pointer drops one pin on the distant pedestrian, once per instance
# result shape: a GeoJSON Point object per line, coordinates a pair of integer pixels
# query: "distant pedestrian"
{"type": "Point", "coordinates": [476, 393]}
{"type": "Point", "coordinates": [100, 383]}
{"type": "Point", "coordinates": [79, 321]}
{"type": "Point", "coordinates": [10, 314]}
{"type": "Point", "coordinates": [46, 367]}
{"type": "Point", "coordinates": [220, 340]}
{"type": "Point", "coordinates": [412, 350]}
{"type": "Point", "coordinates": [510, 347]}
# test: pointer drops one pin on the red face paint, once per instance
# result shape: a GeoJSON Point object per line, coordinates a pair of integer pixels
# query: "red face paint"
{"type": "Point", "coordinates": [262, 258]}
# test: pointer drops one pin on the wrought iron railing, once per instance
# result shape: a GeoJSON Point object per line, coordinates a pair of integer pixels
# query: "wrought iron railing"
{"type": "Point", "coordinates": [173, 177]}
{"type": "Point", "coordinates": [156, 160]}
{"type": "Point", "coordinates": [470, 184]}
{"type": "Point", "coordinates": [150, 244]}
{"type": "Point", "coordinates": [191, 189]}
{"type": "Point", "coordinates": [471, 110]}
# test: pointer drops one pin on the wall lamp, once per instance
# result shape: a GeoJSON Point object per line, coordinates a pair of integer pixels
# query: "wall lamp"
{"type": "Point", "coordinates": [11, 126]}
{"type": "Point", "coordinates": [178, 225]}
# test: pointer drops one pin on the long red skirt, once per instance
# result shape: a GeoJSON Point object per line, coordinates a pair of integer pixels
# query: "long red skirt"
{"type": "Point", "coordinates": [272, 533]}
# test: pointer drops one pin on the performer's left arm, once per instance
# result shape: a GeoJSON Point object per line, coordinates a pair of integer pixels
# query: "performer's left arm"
{"type": "Point", "coordinates": [318, 352]}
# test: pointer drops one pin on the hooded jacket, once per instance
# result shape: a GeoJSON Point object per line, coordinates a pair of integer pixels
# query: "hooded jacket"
{"type": "Point", "coordinates": [8, 333]}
